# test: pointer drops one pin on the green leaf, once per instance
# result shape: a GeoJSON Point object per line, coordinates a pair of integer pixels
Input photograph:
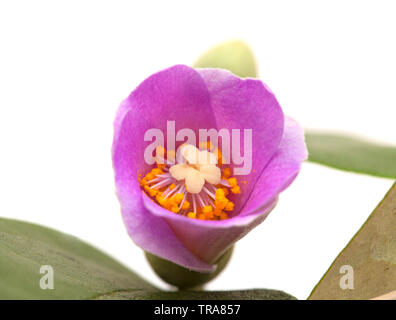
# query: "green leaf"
{"type": "Point", "coordinates": [372, 255]}
{"type": "Point", "coordinates": [80, 270]}
{"type": "Point", "coordinates": [351, 154]}
{"type": "Point", "coordinates": [253, 294]}
{"type": "Point", "coordinates": [235, 56]}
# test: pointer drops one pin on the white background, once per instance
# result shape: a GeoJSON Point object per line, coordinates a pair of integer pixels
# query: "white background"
{"type": "Point", "coordinates": [66, 65]}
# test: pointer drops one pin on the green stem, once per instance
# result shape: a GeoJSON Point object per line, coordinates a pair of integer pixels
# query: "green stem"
{"type": "Point", "coordinates": [184, 278]}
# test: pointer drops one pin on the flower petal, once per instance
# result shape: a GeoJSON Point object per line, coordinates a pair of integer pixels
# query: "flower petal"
{"type": "Point", "coordinates": [208, 240]}
{"type": "Point", "coordinates": [216, 99]}
{"type": "Point", "coordinates": [175, 94]}
{"type": "Point", "coordinates": [246, 104]}
{"type": "Point", "coordinates": [159, 98]}
{"type": "Point", "coordinates": [281, 170]}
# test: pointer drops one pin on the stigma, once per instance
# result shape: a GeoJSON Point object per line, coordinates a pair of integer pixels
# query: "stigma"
{"type": "Point", "coordinates": [192, 182]}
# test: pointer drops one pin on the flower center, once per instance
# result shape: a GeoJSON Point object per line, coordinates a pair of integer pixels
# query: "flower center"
{"type": "Point", "coordinates": [197, 186]}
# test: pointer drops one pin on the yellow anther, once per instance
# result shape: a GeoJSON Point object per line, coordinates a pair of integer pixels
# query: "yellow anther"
{"type": "Point", "coordinates": [161, 166]}
{"type": "Point", "coordinates": [192, 215]}
{"type": "Point", "coordinates": [143, 181]}
{"type": "Point", "coordinates": [223, 216]}
{"type": "Point", "coordinates": [185, 205]}
{"type": "Point", "coordinates": [229, 206]}
{"type": "Point", "coordinates": [236, 190]}
{"type": "Point", "coordinates": [209, 216]}
{"type": "Point", "coordinates": [233, 182]}
{"type": "Point", "coordinates": [150, 191]}
{"type": "Point", "coordinates": [226, 192]}
{"type": "Point", "coordinates": [157, 171]}
{"type": "Point", "coordinates": [201, 216]}
{"type": "Point", "coordinates": [172, 186]}
{"type": "Point", "coordinates": [219, 193]}
{"type": "Point", "coordinates": [178, 197]}
{"type": "Point", "coordinates": [227, 173]}
{"type": "Point", "coordinates": [207, 209]}
{"type": "Point", "coordinates": [234, 185]}
{"type": "Point", "coordinates": [160, 199]}
{"type": "Point", "coordinates": [217, 212]}
{"type": "Point", "coordinates": [220, 199]}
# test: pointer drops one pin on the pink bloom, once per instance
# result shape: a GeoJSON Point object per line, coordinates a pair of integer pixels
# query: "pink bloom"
{"type": "Point", "coordinates": [203, 99]}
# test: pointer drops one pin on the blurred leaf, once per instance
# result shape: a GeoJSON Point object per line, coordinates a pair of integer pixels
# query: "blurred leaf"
{"type": "Point", "coordinates": [351, 154]}
{"type": "Point", "coordinates": [80, 270]}
{"type": "Point", "coordinates": [372, 255]}
{"type": "Point", "coordinates": [235, 56]}
{"type": "Point", "coordinates": [254, 294]}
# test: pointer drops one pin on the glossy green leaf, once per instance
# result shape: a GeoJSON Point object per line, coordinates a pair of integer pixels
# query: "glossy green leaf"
{"type": "Point", "coordinates": [351, 154]}
{"type": "Point", "coordinates": [372, 255]}
{"type": "Point", "coordinates": [235, 56]}
{"type": "Point", "coordinates": [80, 270]}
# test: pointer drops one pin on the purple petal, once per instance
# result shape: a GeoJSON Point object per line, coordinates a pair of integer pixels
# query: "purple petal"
{"type": "Point", "coordinates": [216, 100]}
{"type": "Point", "coordinates": [246, 104]}
{"type": "Point", "coordinates": [281, 170]}
{"type": "Point", "coordinates": [175, 94]}
{"type": "Point", "coordinates": [159, 98]}
{"type": "Point", "coordinates": [207, 239]}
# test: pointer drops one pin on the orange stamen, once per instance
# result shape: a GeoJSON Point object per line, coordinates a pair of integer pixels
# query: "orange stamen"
{"type": "Point", "coordinates": [222, 206]}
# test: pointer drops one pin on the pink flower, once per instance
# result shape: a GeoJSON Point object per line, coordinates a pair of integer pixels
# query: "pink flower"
{"type": "Point", "coordinates": [201, 99]}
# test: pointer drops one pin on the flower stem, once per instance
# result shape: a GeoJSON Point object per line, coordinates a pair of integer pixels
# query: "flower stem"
{"type": "Point", "coordinates": [183, 278]}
